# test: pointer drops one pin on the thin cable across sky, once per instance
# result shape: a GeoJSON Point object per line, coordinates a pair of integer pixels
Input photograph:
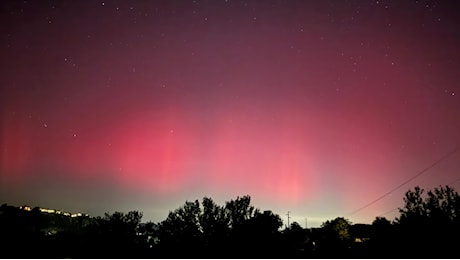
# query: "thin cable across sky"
{"type": "Point", "coordinates": [407, 181]}
{"type": "Point", "coordinates": [307, 106]}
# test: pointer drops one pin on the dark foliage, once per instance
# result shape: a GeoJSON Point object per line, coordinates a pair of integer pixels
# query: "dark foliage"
{"type": "Point", "coordinates": [428, 227]}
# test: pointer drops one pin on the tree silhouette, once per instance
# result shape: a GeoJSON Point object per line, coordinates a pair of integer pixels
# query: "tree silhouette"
{"type": "Point", "coordinates": [430, 222]}
{"type": "Point", "coordinates": [148, 235]}
{"type": "Point", "coordinates": [215, 225]}
{"type": "Point", "coordinates": [113, 235]}
{"type": "Point", "coordinates": [261, 235]}
{"type": "Point", "coordinates": [428, 227]}
{"type": "Point", "coordinates": [208, 230]}
{"type": "Point", "coordinates": [239, 211]}
{"type": "Point", "coordinates": [381, 237]}
{"type": "Point", "coordinates": [181, 232]}
{"type": "Point", "coordinates": [335, 238]}
{"type": "Point", "coordinates": [296, 240]}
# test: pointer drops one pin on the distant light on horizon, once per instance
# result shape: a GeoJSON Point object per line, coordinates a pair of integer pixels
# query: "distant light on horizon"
{"type": "Point", "coordinates": [316, 108]}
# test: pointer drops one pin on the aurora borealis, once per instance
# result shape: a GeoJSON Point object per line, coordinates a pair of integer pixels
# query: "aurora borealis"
{"type": "Point", "coordinates": [312, 107]}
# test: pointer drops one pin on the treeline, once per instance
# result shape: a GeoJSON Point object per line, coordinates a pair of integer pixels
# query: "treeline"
{"type": "Point", "coordinates": [428, 227]}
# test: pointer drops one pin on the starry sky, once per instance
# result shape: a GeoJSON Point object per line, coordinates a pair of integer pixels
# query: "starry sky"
{"type": "Point", "coordinates": [312, 107]}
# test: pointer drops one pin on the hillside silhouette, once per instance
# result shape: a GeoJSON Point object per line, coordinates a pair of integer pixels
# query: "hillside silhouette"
{"type": "Point", "coordinates": [427, 227]}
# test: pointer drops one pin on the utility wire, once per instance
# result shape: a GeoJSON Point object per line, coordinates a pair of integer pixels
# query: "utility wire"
{"type": "Point", "coordinates": [388, 212]}
{"type": "Point", "coordinates": [407, 181]}
{"type": "Point", "coordinates": [454, 181]}
{"type": "Point", "coordinates": [382, 215]}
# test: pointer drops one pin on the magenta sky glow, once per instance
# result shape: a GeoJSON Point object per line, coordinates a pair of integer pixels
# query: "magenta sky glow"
{"type": "Point", "coordinates": [312, 107]}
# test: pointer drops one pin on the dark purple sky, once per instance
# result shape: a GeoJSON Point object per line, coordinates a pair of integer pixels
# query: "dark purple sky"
{"type": "Point", "coordinates": [312, 107]}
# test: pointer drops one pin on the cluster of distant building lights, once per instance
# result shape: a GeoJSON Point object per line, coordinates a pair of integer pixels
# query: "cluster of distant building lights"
{"type": "Point", "coordinates": [52, 211]}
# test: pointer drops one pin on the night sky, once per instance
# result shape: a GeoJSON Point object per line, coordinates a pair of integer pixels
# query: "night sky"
{"type": "Point", "coordinates": [312, 107]}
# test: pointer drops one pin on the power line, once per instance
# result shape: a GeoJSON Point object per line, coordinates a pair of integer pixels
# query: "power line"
{"type": "Point", "coordinates": [407, 181]}
{"type": "Point", "coordinates": [388, 212]}
{"type": "Point", "coordinates": [383, 214]}
{"type": "Point", "coordinates": [454, 181]}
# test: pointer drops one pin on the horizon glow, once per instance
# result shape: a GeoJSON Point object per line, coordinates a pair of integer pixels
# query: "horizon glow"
{"type": "Point", "coordinates": [316, 107]}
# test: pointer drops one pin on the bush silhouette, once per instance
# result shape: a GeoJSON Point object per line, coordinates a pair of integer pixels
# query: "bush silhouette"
{"type": "Point", "coordinates": [426, 228]}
